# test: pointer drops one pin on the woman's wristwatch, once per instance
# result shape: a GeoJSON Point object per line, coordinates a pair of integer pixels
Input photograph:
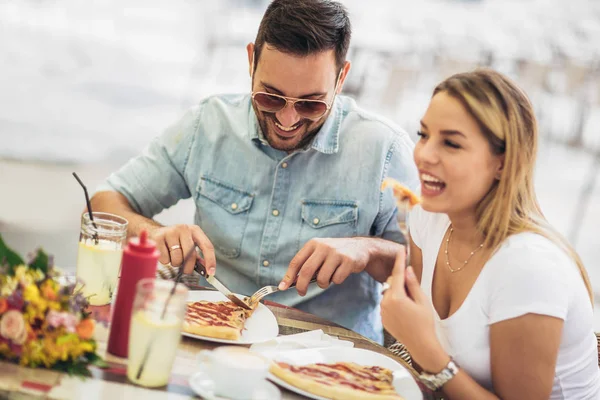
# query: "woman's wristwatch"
{"type": "Point", "coordinates": [436, 381]}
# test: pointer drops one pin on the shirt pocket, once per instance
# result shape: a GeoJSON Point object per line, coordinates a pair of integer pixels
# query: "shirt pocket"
{"type": "Point", "coordinates": [222, 211]}
{"type": "Point", "coordinates": [327, 219]}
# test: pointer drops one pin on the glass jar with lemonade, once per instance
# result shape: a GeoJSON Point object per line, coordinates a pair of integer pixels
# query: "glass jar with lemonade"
{"type": "Point", "coordinates": [155, 331]}
{"type": "Point", "coordinates": [99, 255]}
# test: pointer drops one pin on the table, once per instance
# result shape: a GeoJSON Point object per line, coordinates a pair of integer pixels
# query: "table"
{"type": "Point", "coordinates": [112, 383]}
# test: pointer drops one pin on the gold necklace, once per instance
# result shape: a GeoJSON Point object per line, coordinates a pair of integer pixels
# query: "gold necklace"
{"type": "Point", "coordinates": [466, 261]}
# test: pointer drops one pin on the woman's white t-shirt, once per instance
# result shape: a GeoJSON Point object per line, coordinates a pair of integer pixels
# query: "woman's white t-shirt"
{"type": "Point", "coordinates": [528, 274]}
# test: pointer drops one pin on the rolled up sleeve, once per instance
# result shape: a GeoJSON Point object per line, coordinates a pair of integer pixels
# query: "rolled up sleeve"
{"type": "Point", "coordinates": [156, 180]}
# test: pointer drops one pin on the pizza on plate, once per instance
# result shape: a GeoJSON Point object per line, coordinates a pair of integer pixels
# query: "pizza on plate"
{"type": "Point", "coordinates": [217, 319]}
{"type": "Point", "coordinates": [339, 381]}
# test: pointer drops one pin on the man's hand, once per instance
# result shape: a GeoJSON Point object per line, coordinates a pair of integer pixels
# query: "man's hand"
{"type": "Point", "coordinates": [174, 242]}
{"type": "Point", "coordinates": [332, 259]}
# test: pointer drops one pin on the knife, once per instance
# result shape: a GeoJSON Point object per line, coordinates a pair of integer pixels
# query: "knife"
{"type": "Point", "coordinates": [199, 268]}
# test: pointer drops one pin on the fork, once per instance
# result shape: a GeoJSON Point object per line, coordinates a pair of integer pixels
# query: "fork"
{"type": "Point", "coordinates": [267, 290]}
{"type": "Point", "coordinates": [402, 218]}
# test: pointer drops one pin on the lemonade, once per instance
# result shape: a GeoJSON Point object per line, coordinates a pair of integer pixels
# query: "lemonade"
{"type": "Point", "coordinates": [158, 336]}
{"type": "Point", "coordinates": [98, 266]}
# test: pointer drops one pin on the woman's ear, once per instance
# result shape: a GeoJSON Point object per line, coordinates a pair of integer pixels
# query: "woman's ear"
{"type": "Point", "coordinates": [500, 168]}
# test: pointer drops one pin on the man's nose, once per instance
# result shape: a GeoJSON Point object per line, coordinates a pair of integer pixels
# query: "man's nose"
{"type": "Point", "coordinates": [287, 116]}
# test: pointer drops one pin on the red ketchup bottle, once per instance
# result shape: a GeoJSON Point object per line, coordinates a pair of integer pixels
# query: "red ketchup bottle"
{"type": "Point", "coordinates": [140, 259]}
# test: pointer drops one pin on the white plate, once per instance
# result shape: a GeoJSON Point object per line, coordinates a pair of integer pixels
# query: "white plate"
{"type": "Point", "coordinates": [202, 384]}
{"type": "Point", "coordinates": [408, 388]}
{"type": "Point", "coordinates": [260, 327]}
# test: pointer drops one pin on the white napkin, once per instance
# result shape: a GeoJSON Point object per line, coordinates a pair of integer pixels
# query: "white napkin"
{"type": "Point", "coordinates": [306, 340]}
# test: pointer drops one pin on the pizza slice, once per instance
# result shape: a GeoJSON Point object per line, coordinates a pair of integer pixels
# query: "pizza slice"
{"type": "Point", "coordinates": [401, 192]}
{"type": "Point", "coordinates": [339, 381]}
{"type": "Point", "coordinates": [218, 319]}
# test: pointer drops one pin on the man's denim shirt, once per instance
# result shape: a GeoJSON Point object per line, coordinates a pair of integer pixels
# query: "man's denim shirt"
{"type": "Point", "coordinates": [259, 206]}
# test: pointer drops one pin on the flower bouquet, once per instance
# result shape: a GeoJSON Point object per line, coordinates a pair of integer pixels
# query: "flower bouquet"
{"type": "Point", "coordinates": [43, 324]}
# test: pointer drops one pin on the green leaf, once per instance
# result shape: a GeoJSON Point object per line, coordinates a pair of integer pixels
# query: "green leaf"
{"type": "Point", "coordinates": [73, 368]}
{"type": "Point", "coordinates": [40, 262]}
{"type": "Point", "coordinates": [96, 360]}
{"type": "Point", "coordinates": [9, 256]}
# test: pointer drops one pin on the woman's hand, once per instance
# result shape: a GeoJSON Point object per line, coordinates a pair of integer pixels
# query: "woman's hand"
{"type": "Point", "coordinates": [407, 314]}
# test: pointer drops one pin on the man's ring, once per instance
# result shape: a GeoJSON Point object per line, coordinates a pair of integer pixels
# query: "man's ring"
{"type": "Point", "coordinates": [175, 247]}
{"type": "Point", "coordinates": [385, 286]}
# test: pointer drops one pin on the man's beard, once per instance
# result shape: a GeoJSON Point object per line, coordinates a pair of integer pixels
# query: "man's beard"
{"type": "Point", "coordinates": [277, 142]}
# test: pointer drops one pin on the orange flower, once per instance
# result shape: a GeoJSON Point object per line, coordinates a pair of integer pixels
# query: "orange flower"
{"type": "Point", "coordinates": [48, 292]}
{"type": "Point", "coordinates": [85, 329]}
{"type": "Point", "coordinates": [3, 305]}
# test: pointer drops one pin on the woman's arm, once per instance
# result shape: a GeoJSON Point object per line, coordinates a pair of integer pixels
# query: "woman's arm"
{"type": "Point", "coordinates": [523, 349]}
{"type": "Point", "coordinates": [523, 357]}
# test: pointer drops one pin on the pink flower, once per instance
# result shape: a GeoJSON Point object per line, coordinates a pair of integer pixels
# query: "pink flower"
{"type": "Point", "coordinates": [12, 325]}
{"type": "Point", "coordinates": [69, 322]}
{"type": "Point", "coordinates": [21, 338]}
{"type": "Point", "coordinates": [54, 319]}
{"type": "Point", "coordinates": [57, 319]}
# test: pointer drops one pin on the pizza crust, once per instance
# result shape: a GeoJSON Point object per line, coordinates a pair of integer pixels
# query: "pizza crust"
{"type": "Point", "coordinates": [333, 392]}
{"type": "Point", "coordinates": [219, 332]}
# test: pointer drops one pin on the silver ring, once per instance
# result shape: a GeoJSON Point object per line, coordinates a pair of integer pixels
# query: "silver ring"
{"type": "Point", "coordinates": [174, 247]}
{"type": "Point", "coordinates": [385, 286]}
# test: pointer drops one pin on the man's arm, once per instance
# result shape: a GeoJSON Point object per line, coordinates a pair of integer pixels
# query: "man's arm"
{"type": "Point", "coordinates": [186, 236]}
{"type": "Point", "coordinates": [116, 203]}
{"type": "Point", "coordinates": [153, 181]}
{"type": "Point", "coordinates": [334, 259]}
{"type": "Point", "coordinates": [382, 256]}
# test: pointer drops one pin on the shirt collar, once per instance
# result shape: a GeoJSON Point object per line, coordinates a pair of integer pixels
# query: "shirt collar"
{"type": "Point", "coordinates": [327, 139]}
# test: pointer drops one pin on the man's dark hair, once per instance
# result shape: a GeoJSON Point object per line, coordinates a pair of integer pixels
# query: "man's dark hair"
{"type": "Point", "coordinates": [303, 27]}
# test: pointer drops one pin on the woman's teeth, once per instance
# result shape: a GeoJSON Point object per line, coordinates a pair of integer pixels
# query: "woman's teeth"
{"type": "Point", "coordinates": [430, 178]}
{"type": "Point", "coordinates": [283, 128]}
{"type": "Point", "coordinates": [432, 183]}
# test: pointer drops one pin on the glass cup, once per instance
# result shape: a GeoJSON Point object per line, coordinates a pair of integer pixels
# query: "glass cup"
{"type": "Point", "coordinates": [99, 255]}
{"type": "Point", "coordinates": [155, 332]}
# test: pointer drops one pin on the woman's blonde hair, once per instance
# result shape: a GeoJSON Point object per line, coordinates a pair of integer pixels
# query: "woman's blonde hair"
{"type": "Point", "coordinates": [506, 118]}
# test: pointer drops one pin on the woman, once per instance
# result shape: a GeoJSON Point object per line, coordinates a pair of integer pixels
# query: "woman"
{"type": "Point", "coordinates": [496, 303]}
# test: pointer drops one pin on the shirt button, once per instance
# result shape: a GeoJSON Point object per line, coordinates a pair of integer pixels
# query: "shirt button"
{"type": "Point", "coordinates": [266, 263]}
{"type": "Point", "coordinates": [316, 221]}
{"type": "Point", "coordinates": [275, 213]}
{"type": "Point", "coordinates": [284, 165]}
{"type": "Point", "coordinates": [234, 206]}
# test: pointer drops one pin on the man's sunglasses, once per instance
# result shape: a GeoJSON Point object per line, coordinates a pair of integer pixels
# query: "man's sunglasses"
{"type": "Point", "coordinates": [306, 108]}
{"type": "Point", "coordinates": [271, 103]}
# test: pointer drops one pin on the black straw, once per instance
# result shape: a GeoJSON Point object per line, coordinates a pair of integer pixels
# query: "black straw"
{"type": "Point", "coordinates": [87, 199]}
{"type": "Point", "coordinates": [89, 206]}
{"type": "Point", "coordinates": [177, 279]}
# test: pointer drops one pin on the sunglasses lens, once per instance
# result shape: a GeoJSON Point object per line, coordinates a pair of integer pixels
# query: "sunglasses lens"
{"type": "Point", "coordinates": [311, 109]}
{"type": "Point", "coordinates": [269, 103]}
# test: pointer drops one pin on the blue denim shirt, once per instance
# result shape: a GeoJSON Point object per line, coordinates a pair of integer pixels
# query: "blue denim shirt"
{"type": "Point", "coordinates": [217, 155]}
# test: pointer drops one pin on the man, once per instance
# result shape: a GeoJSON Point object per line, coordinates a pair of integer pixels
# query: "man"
{"type": "Point", "coordinates": [286, 181]}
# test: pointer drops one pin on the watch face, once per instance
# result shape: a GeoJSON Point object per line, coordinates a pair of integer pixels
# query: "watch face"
{"type": "Point", "coordinates": [435, 382]}
{"type": "Point", "coordinates": [429, 381]}
{"type": "Point", "coordinates": [430, 385]}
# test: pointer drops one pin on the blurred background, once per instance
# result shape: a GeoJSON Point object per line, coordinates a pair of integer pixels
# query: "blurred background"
{"type": "Point", "coordinates": [86, 85]}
